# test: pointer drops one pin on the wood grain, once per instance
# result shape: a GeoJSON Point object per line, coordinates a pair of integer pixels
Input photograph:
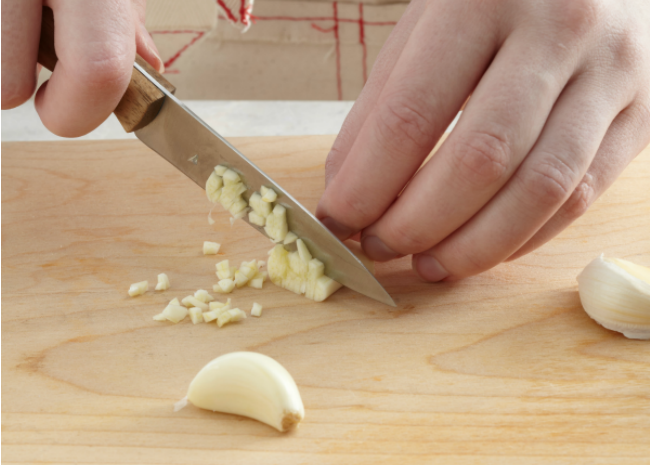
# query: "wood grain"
{"type": "Point", "coordinates": [502, 368]}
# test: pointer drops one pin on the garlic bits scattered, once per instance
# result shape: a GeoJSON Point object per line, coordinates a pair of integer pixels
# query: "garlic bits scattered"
{"type": "Point", "coordinates": [294, 271]}
{"type": "Point", "coordinates": [248, 384]}
{"type": "Point", "coordinates": [616, 293]}
{"type": "Point", "coordinates": [163, 282]}
{"type": "Point", "coordinates": [300, 273]}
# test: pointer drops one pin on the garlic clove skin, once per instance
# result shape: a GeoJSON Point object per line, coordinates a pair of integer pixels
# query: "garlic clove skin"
{"type": "Point", "coordinates": [251, 385]}
{"type": "Point", "coordinates": [616, 293]}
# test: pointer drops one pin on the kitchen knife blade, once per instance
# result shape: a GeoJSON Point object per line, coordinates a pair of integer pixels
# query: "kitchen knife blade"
{"type": "Point", "coordinates": [188, 143]}
{"type": "Point", "coordinates": [164, 124]}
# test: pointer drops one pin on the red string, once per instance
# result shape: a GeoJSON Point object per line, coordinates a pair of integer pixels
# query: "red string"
{"type": "Point", "coordinates": [339, 86]}
{"type": "Point", "coordinates": [231, 16]}
{"type": "Point", "coordinates": [175, 57]}
{"type": "Point", "coordinates": [362, 41]}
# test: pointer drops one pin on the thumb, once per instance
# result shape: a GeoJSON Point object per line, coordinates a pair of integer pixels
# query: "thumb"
{"type": "Point", "coordinates": [145, 45]}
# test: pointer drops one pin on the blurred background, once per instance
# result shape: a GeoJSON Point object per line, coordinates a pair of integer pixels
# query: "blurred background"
{"type": "Point", "coordinates": [275, 67]}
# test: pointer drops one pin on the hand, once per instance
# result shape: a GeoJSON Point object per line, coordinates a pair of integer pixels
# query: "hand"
{"type": "Point", "coordinates": [96, 43]}
{"type": "Point", "coordinates": [560, 104]}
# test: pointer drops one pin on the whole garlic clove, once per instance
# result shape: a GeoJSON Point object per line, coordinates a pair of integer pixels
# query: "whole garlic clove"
{"type": "Point", "coordinates": [616, 293]}
{"type": "Point", "coordinates": [248, 384]}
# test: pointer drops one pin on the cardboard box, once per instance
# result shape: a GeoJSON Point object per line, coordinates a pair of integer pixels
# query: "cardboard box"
{"type": "Point", "coordinates": [290, 50]}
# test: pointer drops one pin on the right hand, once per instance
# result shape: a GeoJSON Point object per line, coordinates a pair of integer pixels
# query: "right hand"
{"type": "Point", "coordinates": [96, 42]}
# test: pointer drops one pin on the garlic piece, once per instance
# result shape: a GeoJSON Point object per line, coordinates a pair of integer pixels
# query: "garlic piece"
{"type": "Point", "coordinates": [256, 310]}
{"type": "Point", "coordinates": [213, 187]}
{"type": "Point", "coordinates": [196, 315]}
{"type": "Point", "coordinates": [138, 288]}
{"type": "Point", "coordinates": [225, 286]}
{"type": "Point", "coordinates": [220, 170]}
{"type": "Point", "coordinates": [214, 305]}
{"type": "Point", "coordinates": [211, 248]}
{"type": "Point", "coordinates": [203, 296]}
{"type": "Point", "coordinates": [299, 273]}
{"type": "Point", "coordinates": [230, 316]}
{"type": "Point", "coordinates": [268, 194]}
{"type": "Point", "coordinates": [290, 238]}
{"type": "Point", "coordinates": [163, 282]}
{"type": "Point", "coordinates": [276, 224]}
{"type": "Point", "coordinates": [616, 293]}
{"type": "Point", "coordinates": [223, 270]}
{"type": "Point", "coordinates": [175, 313]}
{"type": "Point", "coordinates": [191, 301]}
{"type": "Point", "coordinates": [249, 384]}
{"type": "Point", "coordinates": [256, 219]}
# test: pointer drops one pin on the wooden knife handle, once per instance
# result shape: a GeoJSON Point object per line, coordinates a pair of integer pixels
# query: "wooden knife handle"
{"type": "Point", "coordinates": [141, 101]}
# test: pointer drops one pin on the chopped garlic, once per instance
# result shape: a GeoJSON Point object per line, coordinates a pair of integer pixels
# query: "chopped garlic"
{"type": "Point", "coordinates": [268, 194]}
{"type": "Point", "coordinates": [195, 315]}
{"type": "Point", "coordinates": [293, 272]}
{"type": "Point", "coordinates": [231, 316]}
{"type": "Point", "coordinates": [215, 305]}
{"type": "Point", "coordinates": [289, 238]}
{"type": "Point", "coordinates": [256, 219]}
{"type": "Point", "coordinates": [203, 296]}
{"type": "Point", "coordinates": [175, 313]}
{"type": "Point", "coordinates": [256, 310]}
{"type": "Point", "coordinates": [160, 317]}
{"type": "Point", "coordinates": [191, 301]}
{"type": "Point", "coordinates": [211, 248]}
{"type": "Point", "coordinates": [213, 187]}
{"type": "Point", "coordinates": [276, 224]}
{"type": "Point", "coordinates": [225, 286]}
{"type": "Point", "coordinates": [230, 178]}
{"type": "Point", "coordinates": [256, 283]}
{"type": "Point", "coordinates": [241, 279]}
{"type": "Point", "coordinates": [220, 170]}
{"type": "Point", "coordinates": [163, 282]}
{"type": "Point", "coordinates": [138, 288]}
{"type": "Point", "coordinates": [174, 301]}
{"type": "Point", "coordinates": [260, 207]}
{"type": "Point", "coordinates": [223, 270]}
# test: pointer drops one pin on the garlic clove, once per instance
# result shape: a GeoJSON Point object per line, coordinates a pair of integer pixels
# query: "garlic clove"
{"type": "Point", "coordinates": [230, 316]}
{"type": "Point", "coordinates": [616, 293]}
{"type": "Point", "coordinates": [251, 385]}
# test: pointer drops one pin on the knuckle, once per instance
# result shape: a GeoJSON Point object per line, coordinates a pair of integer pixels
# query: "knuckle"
{"type": "Point", "coordinates": [351, 207]}
{"type": "Point", "coordinates": [580, 200]}
{"type": "Point", "coordinates": [109, 72]}
{"type": "Point", "coordinates": [482, 158]}
{"type": "Point", "coordinates": [549, 182]}
{"type": "Point", "coordinates": [403, 126]}
{"type": "Point", "coordinates": [405, 239]}
{"type": "Point", "coordinates": [578, 18]}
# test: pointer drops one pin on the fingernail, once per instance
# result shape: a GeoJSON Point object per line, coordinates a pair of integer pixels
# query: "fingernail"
{"type": "Point", "coordinates": [377, 250]}
{"type": "Point", "coordinates": [429, 268]}
{"type": "Point", "coordinates": [151, 46]}
{"type": "Point", "coordinates": [340, 231]}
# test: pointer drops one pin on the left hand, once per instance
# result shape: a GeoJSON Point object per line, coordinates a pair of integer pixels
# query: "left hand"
{"type": "Point", "coordinates": [560, 104]}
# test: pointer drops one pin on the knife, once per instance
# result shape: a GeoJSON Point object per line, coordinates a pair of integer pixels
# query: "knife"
{"type": "Point", "coordinates": [170, 129]}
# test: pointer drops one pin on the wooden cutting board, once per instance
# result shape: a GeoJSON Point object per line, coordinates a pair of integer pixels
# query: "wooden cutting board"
{"type": "Point", "coordinates": [502, 368]}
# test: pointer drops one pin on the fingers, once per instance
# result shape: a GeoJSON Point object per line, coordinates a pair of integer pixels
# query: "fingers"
{"type": "Point", "coordinates": [21, 30]}
{"type": "Point", "coordinates": [499, 126]}
{"type": "Point", "coordinates": [364, 104]}
{"type": "Point", "coordinates": [145, 45]}
{"type": "Point", "coordinates": [626, 137]}
{"type": "Point", "coordinates": [425, 89]}
{"type": "Point", "coordinates": [95, 44]}
{"type": "Point", "coordinates": [544, 181]}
